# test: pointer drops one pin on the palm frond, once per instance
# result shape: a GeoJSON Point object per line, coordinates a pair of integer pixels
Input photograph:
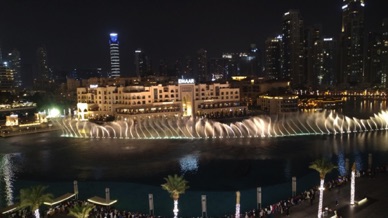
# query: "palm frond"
{"type": "Point", "coordinates": [322, 166]}
{"type": "Point", "coordinates": [175, 185]}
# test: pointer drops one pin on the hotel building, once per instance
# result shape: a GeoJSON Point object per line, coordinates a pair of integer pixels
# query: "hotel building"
{"type": "Point", "coordinates": [182, 99]}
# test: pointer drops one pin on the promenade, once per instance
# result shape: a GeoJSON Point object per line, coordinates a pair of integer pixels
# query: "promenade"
{"type": "Point", "coordinates": [26, 131]}
{"type": "Point", "coordinates": [374, 188]}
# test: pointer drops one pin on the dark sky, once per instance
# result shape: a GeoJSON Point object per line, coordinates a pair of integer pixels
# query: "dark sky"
{"type": "Point", "coordinates": [76, 32]}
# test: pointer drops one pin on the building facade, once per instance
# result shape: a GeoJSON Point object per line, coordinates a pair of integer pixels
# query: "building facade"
{"type": "Point", "coordinates": [142, 64]}
{"type": "Point", "coordinates": [43, 80]}
{"type": "Point", "coordinates": [293, 55]}
{"type": "Point", "coordinates": [7, 79]}
{"type": "Point", "coordinates": [352, 42]}
{"type": "Point", "coordinates": [114, 55]}
{"type": "Point", "coordinates": [273, 58]}
{"type": "Point", "coordinates": [182, 99]}
{"type": "Point", "coordinates": [384, 54]}
{"type": "Point", "coordinates": [278, 104]}
{"type": "Point", "coordinates": [14, 63]}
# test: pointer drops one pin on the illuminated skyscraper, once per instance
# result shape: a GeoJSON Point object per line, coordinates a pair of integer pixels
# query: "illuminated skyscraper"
{"type": "Point", "coordinates": [372, 69]}
{"type": "Point", "coordinates": [293, 48]}
{"type": "Point", "coordinates": [325, 63]}
{"type": "Point", "coordinates": [273, 58]}
{"type": "Point", "coordinates": [7, 83]}
{"type": "Point", "coordinates": [352, 42]}
{"type": "Point", "coordinates": [43, 78]}
{"type": "Point", "coordinates": [15, 65]}
{"type": "Point", "coordinates": [312, 36]}
{"type": "Point", "coordinates": [202, 66]}
{"type": "Point", "coordinates": [384, 54]}
{"type": "Point", "coordinates": [142, 64]}
{"type": "Point", "coordinates": [114, 55]}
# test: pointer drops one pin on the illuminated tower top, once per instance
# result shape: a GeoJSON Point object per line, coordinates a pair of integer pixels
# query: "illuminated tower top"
{"type": "Point", "coordinates": [352, 10]}
{"type": "Point", "coordinates": [114, 55]}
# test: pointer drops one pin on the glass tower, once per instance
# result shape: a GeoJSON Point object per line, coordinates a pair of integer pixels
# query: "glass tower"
{"type": "Point", "coordinates": [352, 42]}
{"type": "Point", "coordinates": [114, 55]}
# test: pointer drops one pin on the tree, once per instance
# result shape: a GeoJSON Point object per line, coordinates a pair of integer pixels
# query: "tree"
{"type": "Point", "coordinates": [81, 210]}
{"type": "Point", "coordinates": [34, 197]}
{"type": "Point", "coordinates": [175, 185]}
{"type": "Point", "coordinates": [323, 167]}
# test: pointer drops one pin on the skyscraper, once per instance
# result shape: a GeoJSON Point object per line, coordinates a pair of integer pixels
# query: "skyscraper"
{"type": "Point", "coordinates": [15, 65]}
{"type": "Point", "coordinates": [43, 79]}
{"type": "Point", "coordinates": [372, 70]}
{"type": "Point", "coordinates": [384, 54]}
{"type": "Point", "coordinates": [312, 35]}
{"type": "Point", "coordinates": [250, 62]}
{"type": "Point", "coordinates": [142, 64]}
{"type": "Point", "coordinates": [293, 48]}
{"type": "Point", "coordinates": [273, 58]}
{"type": "Point", "coordinates": [114, 55]}
{"type": "Point", "coordinates": [6, 79]}
{"type": "Point", "coordinates": [202, 66]}
{"type": "Point", "coordinates": [352, 42]}
{"type": "Point", "coordinates": [325, 63]}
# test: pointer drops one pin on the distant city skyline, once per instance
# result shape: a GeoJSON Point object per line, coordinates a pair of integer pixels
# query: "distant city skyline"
{"type": "Point", "coordinates": [75, 33]}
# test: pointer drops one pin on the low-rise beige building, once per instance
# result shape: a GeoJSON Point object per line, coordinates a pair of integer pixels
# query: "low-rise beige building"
{"type": "Point", "coordinates": [278, 104]}
{"type": "Point", "coordinates": [182, 99]}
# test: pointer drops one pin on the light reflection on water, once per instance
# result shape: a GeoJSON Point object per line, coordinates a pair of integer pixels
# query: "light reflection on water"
{"type": "Point", "coordinates": [189, 163]}
{"type": "Point", "coordinates": [7, 177]}
{"type": "Point", "coordinates": [209, 165]}
{"type": "Point", "coordinates": [223, 165]}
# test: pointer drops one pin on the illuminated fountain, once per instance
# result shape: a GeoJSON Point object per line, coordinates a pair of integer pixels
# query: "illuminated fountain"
{"type": "Point", "coordinates": [259, 126]}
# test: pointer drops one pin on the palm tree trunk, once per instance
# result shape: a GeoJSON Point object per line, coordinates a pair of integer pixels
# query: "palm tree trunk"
{"type": "Point", "coordinates": [352, 187]}
{"type": "Point", "coordinates": [321, 188]}
{"type": "Point", "coordinates": [175, 209]}
{"type": "Point", "coordinates": [36, 213]}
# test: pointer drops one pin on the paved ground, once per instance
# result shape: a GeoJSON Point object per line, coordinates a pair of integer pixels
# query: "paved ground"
{"type": "Point", "coordinates": [375, 189]}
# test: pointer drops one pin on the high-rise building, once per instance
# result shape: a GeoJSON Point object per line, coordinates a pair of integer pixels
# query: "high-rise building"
{"type": "Point", "coordinates": [384, 54]}
{"type": "Point", "coordinates": [292, 40]}
{"type": "Point", "coordinates": [7, 82]}
{"type": "Point", "coordinates": [114, 55]}
{"type": "Point", "coordinates": [324, 64]}
{"type": "Point", "coordinates": [43, 77]}
{"type": "Point", "coordinates": [202, 68]}
{"type": "Point", "coordinates": [14, 63]}
{"type": "Point", "coordinates": [231, 61]}
{"type": "Point", "coordinates": [183, 67]}
{"type": "Point", "coordinates": [312, 35]}
{"type": "Point", "coordinates": [217, 68]}
{"type": "Point", "coordinates": [142, 64]}
{"type": "Point", "coordinates": [273, 58]}
{"type": "Point", "coordinates": [250, 62]}
{"type": "Point", "coordinates": [372, 72]}
{"type": "Point", "coordinates": [352, 42]}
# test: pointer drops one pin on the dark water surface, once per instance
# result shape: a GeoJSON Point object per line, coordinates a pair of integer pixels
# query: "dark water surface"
{"type": "Point", "coordinates": [215, 167]}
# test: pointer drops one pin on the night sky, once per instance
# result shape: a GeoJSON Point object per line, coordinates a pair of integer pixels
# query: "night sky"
{"type": "Point", "coordinates": [76, 32]}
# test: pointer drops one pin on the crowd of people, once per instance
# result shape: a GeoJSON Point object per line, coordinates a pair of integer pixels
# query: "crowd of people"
{"type": "Point", "coordinates": [282, 207]}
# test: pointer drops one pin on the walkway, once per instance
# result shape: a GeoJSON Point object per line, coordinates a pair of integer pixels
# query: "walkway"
{"type": "Point", "coordinates": [375, 189]}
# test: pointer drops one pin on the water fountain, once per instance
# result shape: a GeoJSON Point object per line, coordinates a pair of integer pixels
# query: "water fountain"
{"type": "Point", "coordinates": [326, 122]}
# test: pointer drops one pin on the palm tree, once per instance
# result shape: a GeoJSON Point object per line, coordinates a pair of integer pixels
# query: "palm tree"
{"type": "Point", "coordinates": [323, 167]}
{"type": "Point", "coordinates": [81, 210]}
{"type": "Point", "coordinates": [175, 185]}
{"type": "Point", "coordinates": [33, 197]}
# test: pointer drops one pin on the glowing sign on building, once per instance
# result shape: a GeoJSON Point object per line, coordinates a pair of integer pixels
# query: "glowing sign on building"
{"type": "Point", "coordinates": [186, 81]}
{"type": "Point", "coordinates": [113, 37]}
{"type": "Point", "coordinates": [93, 86]}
